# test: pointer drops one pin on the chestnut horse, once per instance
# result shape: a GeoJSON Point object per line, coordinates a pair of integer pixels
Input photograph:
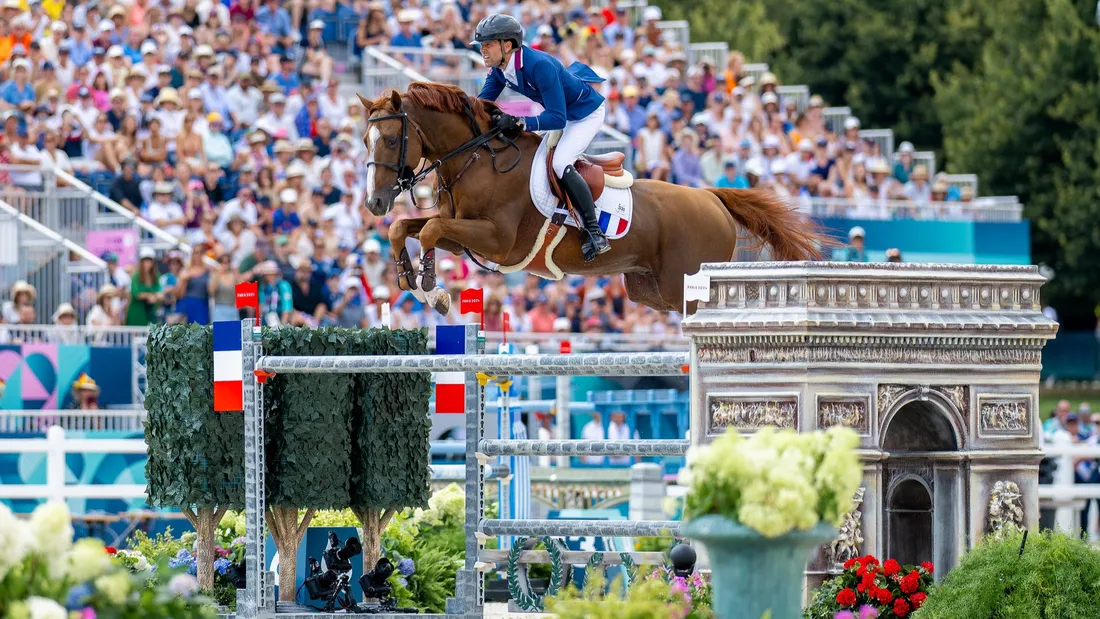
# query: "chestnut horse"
{"type": "Point", "coordinates": [489, 211]}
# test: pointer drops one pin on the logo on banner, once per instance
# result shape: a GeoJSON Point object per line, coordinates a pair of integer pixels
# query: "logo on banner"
{"type": "Point", "coordinates": [471, 301]}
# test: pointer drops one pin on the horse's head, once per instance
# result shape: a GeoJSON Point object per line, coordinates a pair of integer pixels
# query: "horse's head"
{"type": "Point", "coordinates": [394, 148]}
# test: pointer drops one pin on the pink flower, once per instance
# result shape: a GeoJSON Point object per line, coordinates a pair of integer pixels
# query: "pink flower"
{"type": "Point", "coordinates": [87, 613]}
{"type": "Point", "coordinates": [679, 585]}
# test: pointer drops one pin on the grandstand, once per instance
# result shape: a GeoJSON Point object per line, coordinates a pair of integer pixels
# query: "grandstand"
{"type": "Point", "coordinates": [243, 120]}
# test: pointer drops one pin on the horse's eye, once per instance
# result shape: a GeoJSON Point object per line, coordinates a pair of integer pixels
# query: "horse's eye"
{"type": "Point", "coordinates": [392, 141]}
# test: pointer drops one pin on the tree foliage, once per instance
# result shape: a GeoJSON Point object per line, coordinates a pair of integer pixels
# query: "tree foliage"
{"type": "Point", "coordinates": [1004, 91]}
{"type": "Point", "coordinates": [1025, 120]}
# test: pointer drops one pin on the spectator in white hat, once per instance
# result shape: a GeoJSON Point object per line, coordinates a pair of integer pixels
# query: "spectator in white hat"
{"type": "Point", "coordinates": [166, 213]}
{"type": "Point", "coordinates": [903, 166]}
{"type": "Point", "coordinates": [856, 250]}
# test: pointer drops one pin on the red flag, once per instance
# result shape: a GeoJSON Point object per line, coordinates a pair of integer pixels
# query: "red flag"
{"type": "Point", "coordinates": [507, 326]}
{"type": "Point", "coordinates": [248, 295]}
{"type": "Point", "coordinates": [471, 300]}
{"type": "Point", "coordinates": [565, 347]}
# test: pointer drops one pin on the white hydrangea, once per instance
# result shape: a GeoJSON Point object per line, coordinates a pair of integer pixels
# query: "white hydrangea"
{"type": "Point", "coordinates": [52, 534]}
{"type": "Point", "coordinates": [45, 608]}
{"type": "Point", "coordinates": [88, 560]}
{"type": "Point", "coordinates": [775, 481]}
{"type": "Point", "coordinates": [15, 540]}
{"type": "Point", "coordinates": [183, 585]}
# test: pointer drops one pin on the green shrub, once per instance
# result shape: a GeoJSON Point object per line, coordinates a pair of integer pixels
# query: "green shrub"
{"type": "Point", "coordinates": [1056, 577]}
{"type": "Point", "coordinates": [651, 598]}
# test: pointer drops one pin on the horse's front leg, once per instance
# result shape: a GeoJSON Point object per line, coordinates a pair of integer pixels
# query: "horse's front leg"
{"type": "Point", "coordinates": [400, 231]}
{"type": "Point", "coordinates": [481, 236]}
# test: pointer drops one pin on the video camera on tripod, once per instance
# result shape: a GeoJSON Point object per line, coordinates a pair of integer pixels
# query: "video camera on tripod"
{"type": "Point", "coordinates": [330, 579]}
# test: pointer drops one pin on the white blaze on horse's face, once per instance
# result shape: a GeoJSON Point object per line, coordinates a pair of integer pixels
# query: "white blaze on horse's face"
{"type": "Point", "coordinates": [374, 136]}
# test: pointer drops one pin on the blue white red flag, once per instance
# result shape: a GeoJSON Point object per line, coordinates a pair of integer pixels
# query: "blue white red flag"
{"type": "Point", "coordinates": [228, 370]}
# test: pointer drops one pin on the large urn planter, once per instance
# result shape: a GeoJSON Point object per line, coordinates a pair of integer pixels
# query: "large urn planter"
{"type": "Point", "coordinates": [753, 574]}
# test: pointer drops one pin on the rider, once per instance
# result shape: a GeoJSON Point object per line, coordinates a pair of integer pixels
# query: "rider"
{"type": "Point", "coordinates": [569, 101]}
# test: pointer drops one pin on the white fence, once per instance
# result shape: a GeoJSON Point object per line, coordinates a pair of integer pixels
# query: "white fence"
{"type": "Point", "coordinates": [994, 208]}
{"type": "Point", "coordinates": [1067, 497]}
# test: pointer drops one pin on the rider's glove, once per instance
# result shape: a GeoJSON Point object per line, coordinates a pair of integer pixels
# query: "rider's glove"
{"type": "Point", "coordinates": [509, 125]}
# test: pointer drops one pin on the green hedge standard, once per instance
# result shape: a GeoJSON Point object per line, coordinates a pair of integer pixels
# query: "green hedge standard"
{"type": "Point", "coordinates": [196, 456]}
{"type": "Point", "coordinates": [332, 440]}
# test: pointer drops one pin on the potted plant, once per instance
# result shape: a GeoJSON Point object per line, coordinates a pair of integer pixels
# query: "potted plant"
{"type": "Point", "coordinates": [760, 504]}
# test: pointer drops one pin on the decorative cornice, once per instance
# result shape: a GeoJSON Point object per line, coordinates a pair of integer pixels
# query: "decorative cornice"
{"type": "Point", "coordinates": [854, 353]}
{"type": "Point", "coordinates": [860, 297]}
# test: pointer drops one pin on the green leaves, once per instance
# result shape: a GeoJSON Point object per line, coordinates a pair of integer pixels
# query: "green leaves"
{"type": "Point", "coordinates": [196, 456]}
{"type": "Point", "coordinates": [332, 440]}
{"type": "Point", "coordinates": [390, 425]}
{"type": "Point", "coordinates": [1024, 118]}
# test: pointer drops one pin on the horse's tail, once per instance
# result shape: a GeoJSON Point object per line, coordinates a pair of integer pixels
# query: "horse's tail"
{"type": "Point", "coordinates": [768, 217]}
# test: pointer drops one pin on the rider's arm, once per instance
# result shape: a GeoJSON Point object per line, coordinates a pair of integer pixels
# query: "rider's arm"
{"type": "Point", "coordinates": [494, 85]}
{"type": "Point", "coordinates": [549, 85]}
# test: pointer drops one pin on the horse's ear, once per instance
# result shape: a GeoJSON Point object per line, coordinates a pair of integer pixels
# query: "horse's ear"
{"type": "Point", "coordinates": [367, 103]}
{"type": "Point", "coordinates": [395, 100]}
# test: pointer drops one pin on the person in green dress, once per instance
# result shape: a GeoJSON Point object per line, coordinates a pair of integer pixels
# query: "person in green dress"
{"type": "Point", "coordinates": [145, 291]}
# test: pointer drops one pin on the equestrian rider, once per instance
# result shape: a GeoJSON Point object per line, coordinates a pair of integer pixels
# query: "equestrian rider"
{"type": "Point", "coordinates": [569, 101]}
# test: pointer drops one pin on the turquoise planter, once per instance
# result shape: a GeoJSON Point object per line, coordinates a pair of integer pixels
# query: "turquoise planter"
{"type": "Point", "coordinates": [753, 574]}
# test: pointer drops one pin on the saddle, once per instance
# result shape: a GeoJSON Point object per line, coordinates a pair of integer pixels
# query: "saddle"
{"type": "Point", "coordinates": [598, 171]}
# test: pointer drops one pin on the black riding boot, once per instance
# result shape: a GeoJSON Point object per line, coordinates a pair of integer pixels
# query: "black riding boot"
{"type": "Point", "coordinates": [581, 197]}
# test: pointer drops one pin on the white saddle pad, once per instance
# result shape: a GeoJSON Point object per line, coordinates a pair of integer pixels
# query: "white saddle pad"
{"type": "Point", "coordinates": [614, 208]}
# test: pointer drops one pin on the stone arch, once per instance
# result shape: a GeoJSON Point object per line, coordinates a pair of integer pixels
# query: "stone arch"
{"type": "Point", "coordinates": [944, 428]}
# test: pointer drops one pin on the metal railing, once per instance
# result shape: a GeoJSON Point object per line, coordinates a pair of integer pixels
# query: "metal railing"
{"type": "Point", "coordinates": [800, 94]}
{"type": "Point", "coordinates": [1002, 209]}
{"type": "Point", "coordinates": [461, 68]}
{"type": "Point", "coordinates": [925, 158]}
{"type": "Point", "coordinates": [677, 31]}
{"type": "Point", "coordinates": [19, 421]}
{"type": "Point", "coordinates": [51, 263]}
{"type": "Point", "coordinates": [959, 181]}
{"type": "Point", "coordinates": [834, 117]}
{"type": "Point", "coordinates": [754, 70]}
{"type": "Point", "coordinates": [61, 209]}
{"type": "Point", "coordinates": [714, 53]}
{"type": "Point", "coordinates": [122, 217]}
{"type": "Point", "coordinates": [884, 138]}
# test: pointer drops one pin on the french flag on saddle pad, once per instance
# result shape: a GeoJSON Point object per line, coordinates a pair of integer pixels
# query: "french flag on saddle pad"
{"type": "Point", "coordinates": [612, 224]}
{"type": "Point", "coordinates": [450, 387]}
{"type": "Point", "coordinates": [228, 370]}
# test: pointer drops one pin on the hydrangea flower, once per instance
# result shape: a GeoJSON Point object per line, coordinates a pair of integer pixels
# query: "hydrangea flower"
{"type": "Point", "coordinates": [183, 585]}
{"type": "Point", "coordinates": [406, 566]}
{"type": "Point", "coordinates": [222, 565]}
{"type": "Point", "coordinates": [45, 608]}
{"type": "Point", "coordinates": [76, 596]}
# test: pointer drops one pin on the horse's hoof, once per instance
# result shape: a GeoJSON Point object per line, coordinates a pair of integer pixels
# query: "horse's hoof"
{"type": "Point", "coordinates": [439, 300]}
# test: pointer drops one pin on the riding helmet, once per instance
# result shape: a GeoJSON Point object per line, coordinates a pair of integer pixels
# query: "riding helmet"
{"type": "Point", "coordinates": [499, 27]}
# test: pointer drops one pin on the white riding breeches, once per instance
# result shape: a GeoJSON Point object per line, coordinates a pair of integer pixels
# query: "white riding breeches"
{"type": "Point", "coordinates": [575, 139]}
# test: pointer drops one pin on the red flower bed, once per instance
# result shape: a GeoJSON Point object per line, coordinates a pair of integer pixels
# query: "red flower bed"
{"type": "Point", "coordinates": [889, 587]}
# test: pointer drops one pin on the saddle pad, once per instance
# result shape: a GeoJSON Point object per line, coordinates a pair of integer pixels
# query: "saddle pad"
{"type": "Point", "coordinates": [614, 209]}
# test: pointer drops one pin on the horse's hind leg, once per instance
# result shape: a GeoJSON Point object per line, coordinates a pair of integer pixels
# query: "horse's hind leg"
{"type": "Point", "coordinates": [642, 288]}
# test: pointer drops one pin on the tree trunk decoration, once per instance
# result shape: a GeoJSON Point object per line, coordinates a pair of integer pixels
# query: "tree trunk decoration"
{"type": "Point", "coordinates": [288, 533]}
{"type": "Point", "coordinates": [205, 520]}
{"type": "Point", "coordinates": [374, 522]}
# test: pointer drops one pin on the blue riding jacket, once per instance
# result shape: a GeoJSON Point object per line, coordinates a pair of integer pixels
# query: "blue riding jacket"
{"type": "Point", "coordinates": [564, 94]}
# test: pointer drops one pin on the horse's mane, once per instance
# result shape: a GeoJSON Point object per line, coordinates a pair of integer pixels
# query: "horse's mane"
{"type": "Point", "coordinates": [440, 98]}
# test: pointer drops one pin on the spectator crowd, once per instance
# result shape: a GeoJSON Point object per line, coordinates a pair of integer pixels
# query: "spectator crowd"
{"type": "Point", "coordinates": [224, 123]}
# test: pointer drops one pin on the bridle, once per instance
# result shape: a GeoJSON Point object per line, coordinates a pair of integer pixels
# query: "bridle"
{"type": "Point", "coordinates": [407, 178]}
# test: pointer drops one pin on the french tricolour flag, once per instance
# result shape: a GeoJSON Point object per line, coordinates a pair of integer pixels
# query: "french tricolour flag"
{"type": "Point", "coordinates": [450, 387]}
{"type": "Point", "coordinates": [228, 371]}
{"type": "Point", "coordinates": [612, 224]}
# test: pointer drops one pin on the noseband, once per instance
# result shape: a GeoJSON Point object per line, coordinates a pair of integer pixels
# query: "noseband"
{"type": "Point", "coordinates": [407, 178]}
